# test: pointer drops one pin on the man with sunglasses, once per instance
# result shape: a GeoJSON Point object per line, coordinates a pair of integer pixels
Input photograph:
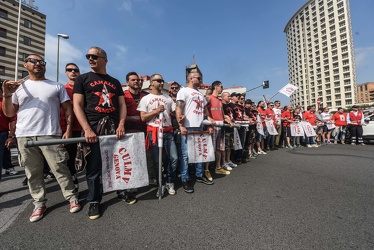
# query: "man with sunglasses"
{"type": "Point", "coordinates": [150, 107]}
{"type": "Point", "coordinates": [71, 72]}
{"type": "Point", "coordinates": [37, 104]}
{"type": "Point", "coordinates": [98, 97]}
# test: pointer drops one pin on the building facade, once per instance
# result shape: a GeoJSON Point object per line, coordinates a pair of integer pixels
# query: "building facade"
{"type": "Point", "coordinates": [321, 60]}
{"type": "Point", "coordinates": [31, 39]}
{"type": "Point", "coordinates": [365, 92]}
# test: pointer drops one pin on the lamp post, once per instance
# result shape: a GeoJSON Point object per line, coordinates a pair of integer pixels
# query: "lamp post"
{"type": "Point", "coordinates": [58, 49]}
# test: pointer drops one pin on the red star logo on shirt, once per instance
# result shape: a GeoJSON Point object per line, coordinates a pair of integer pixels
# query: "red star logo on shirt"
{"type": "Point", "coordinates": [105, 97]}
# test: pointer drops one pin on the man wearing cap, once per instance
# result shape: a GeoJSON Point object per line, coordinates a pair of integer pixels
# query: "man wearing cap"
{"type": "Point", "coordinates": [355, 119]}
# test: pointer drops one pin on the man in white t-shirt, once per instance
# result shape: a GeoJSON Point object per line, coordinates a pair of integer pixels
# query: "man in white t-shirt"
{"type": "Point", "coordinates": [37, 104]}
{"type": "Point", "coordinates": [190, 111]}
{"type": "Point", "coordinates": [152, 107]}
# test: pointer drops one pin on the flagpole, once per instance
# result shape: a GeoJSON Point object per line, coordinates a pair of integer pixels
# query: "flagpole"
{"type": "Point", "coordinates": [17, 44]}
{"type": "Point", "coordinates": [160, 146]}
{"type": "Point", "coordinates": [274, 95]}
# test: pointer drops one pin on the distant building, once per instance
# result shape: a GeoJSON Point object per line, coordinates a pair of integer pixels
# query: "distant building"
{"type": "Point", "coordinates": [365, 92]}
{"type": "Point", "coordinates": [321, 60]}
{"type": "Point", "coordinates": [31, 39]}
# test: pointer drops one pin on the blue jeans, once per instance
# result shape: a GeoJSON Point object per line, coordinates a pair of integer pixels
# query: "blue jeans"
{"type": "Point", "coordinates": [340, 130]}
{"type": "Point", "coordinates": [171, 152]}
{"type": "Point", "coordinates": [184, 158]}
{"type": "Point", "coordinates": [3, 137]}
{"type": "Point", "coordinates": [310, 140]}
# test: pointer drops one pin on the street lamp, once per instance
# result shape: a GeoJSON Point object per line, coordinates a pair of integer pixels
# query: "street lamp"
{"type": "Point", "coordinates": [58, 49]}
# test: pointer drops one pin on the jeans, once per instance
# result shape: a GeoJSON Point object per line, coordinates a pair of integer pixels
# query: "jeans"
{"type": "Point", "coordinates": [340, 130]}
{"type": "Point", "coordinates": [171, 152]}
{"type": "Point", "coordinates": [184, 158]}
{"type": "Point", "coordinates": [310, 140]}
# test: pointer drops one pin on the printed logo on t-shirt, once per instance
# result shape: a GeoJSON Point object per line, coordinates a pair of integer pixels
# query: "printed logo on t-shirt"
{"type": "Point", "coordinates": [105, 104]}
{"type": "Point", "coordinates": [199, 104]}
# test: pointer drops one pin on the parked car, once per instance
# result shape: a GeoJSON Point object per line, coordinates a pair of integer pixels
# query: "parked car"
{"type": "Point", "coordinates": [368, 128]}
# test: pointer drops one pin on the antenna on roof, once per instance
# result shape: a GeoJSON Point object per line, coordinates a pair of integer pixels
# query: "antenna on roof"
{"type": "Point", "coordinates": [193, 59]}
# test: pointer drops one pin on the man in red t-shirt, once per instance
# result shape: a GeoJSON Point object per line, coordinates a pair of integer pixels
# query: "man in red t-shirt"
{"type": "Point", "coordinates": [310, 116]}
{"type": "Point", "coordinates": [340, 120]}
{"type": "Point", "coordinates": [287, 118]}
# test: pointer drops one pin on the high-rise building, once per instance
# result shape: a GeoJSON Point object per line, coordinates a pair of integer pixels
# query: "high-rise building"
{"type": "Point", "coordinates": [31, 38]}
{"type": "Point", "coordinates": [365, 92]}
{"type": "Point", "coordinates": [321, 60]}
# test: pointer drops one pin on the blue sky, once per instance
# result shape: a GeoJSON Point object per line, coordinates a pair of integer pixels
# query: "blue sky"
{"type": "Point", "coordinates": [239, 42]}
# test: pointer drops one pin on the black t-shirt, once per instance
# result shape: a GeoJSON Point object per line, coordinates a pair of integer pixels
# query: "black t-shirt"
{"type": "Point", "coordinates": [252, 113]}
{"type": "Point", "coordinates": [228, 109]}
{"type": "Point", "coordinates": [101, 94]}
{"type": "Point", "coordinates": [238, 112]}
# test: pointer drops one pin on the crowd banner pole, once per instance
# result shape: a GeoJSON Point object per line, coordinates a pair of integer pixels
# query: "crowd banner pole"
{"type": "Point", "coordinates": [54, 142]}
{"type": "Point", "coordinates": [273, 96]}
{"type": "Point", "coordinates": [160, 146]}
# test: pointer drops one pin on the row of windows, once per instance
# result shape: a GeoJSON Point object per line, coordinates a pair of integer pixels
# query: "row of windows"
{"type": "Point", "coordinates": [2, 72]}
{"type": "Point", "coordinates": [26, 39]}
{"type": "Point", "coordinates": [26, 23]}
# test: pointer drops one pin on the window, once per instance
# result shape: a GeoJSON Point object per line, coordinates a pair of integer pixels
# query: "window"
{"type": "Point", "coordinates": [27, 23]}
{"type": "Point", "coordinates": [2, 51]}
{"type": "Point", "coordinates": [24, 73]}
{"type": "Point", "coordinates": [2, 32]}
{"type": "Point", "coordinates": [27, 40]}
{"type": "Point", "coordinates": [2, 70]}
{"type": "Point", "coordinates": [3, 14]}
{"type": "Point", "coordinates": [24, 56]}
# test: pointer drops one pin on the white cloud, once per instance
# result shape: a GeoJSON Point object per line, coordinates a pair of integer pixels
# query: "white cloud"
{"type": "Point", "coordinates": [68, 53]}
{"type": "Point", "coordinates": [121, 50]}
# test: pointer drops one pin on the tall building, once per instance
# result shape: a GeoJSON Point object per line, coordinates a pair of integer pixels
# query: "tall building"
{"type": "Point", "coordinates": [31, 39]}
{"type": "Point", "coordinates": [365, 92]}
{"type": "Point", "coordinates": [321, 60]}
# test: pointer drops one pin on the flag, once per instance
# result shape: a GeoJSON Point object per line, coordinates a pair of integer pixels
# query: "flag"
{"type": "Point", "coordinates": [288, 89]}
{"type": "Point", "coordinates": [124, 164]}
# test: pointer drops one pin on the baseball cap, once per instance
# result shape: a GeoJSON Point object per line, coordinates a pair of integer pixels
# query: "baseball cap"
{"type": "Point", "coordinates": [234, 94]}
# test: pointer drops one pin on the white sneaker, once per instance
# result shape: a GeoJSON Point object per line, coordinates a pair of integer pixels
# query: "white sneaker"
{"type": "Point", "coordinates": [231, 164]}
{"type": "Point", "coordinates": [315, 146]}
{"type": "Point", "coordinates": [309, 146]}
{"type": "Point", "coordinates": [226, 167]}
{"type": "Point", "coordinates": [170, 188]}
{"type": "Point", "coordinates": [11, 171]}
{"type": "Point", "coordinates": [260, 152]}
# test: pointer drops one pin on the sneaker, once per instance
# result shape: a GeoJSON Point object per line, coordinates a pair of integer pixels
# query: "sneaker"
{"type": "Point", "coordinates": [163, 188]}
{"type": "Point", "coordinates": [204, 180]}
{"type": "Point", "coordinates": [208, 175]}
{"type": "Point", "coordinates": [261, 152]}
{"type": "Point", "coordinates": [74, 206]}
{"type": "Point", "coordinates": [187, 187]}
{"type": "Point", "coordinates": [309, 146]}
{"type": "Point", "coordinates": [127, 197]}
{"type": "Point", "coordinates": [252, 156]}
{"type": "Point", "coordinates": [37, 214]}
{"type": "Point", "coordinates": [342, 142]}
{"type": "Point", "coordinates": [289, 147]}
{"type": "Point", "coordinates": [221, 171]}
{"type": "Point", "coordinates": [362, 144]}
{"type": "Point", "coordinates": [353, 143]}
{"type": "Point", "coordinates": [329, 143]}
{"type": "Point", "coordinates": [11, 171]}
{"type": "Point", "coordinates": [315, 146]}
{"type": "Point", "coordinates": [231, 164]}
{"type": "Point", "coordinates": [226, 167]}
{"type": "Point", "coordinates": [335, 142]}
{"type": "Point", "coordinates": [94, 211]}
{"type": "Point", "coordinates": [170, 188]}
{"type": "Point", "coordinates": [254, 152]}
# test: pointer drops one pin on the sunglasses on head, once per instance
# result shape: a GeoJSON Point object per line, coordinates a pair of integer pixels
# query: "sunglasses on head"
{"type": "Point", "coordinates": [158, 80]}
{"type": "Point", "coordinates": [71, 70]}
{"type": "Point", "coordinates": [94, 57]}
{"type": "Point", "coordinates": [35, 61]}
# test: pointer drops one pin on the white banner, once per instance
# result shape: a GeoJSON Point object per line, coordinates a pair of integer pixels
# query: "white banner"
{"type": "Point", "coordinates": [330, 125]}
{"type": "Point", "coordinates": [200, 148]}
{"type": "Point", "coordinates": [308, 129]}
{"type": "Point", "coordinates": [260, 128]}
{"type": "Point", "coordinates": [288, 89]}
{"type": "Point", "coordinates": [124, 164]}
{"type": "Point", "coordinates": [270, 127]}
{"type": "Point", "coordinates": [237, 141]}
{"type": "Point", "coordinates": [297, 129]}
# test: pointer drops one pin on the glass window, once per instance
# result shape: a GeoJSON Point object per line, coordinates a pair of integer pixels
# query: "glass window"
{"type": "Point", "coordinates": [24, 56]}
{"type": "Point", "coordinates": [24, 73]}
{"type": "Point", "coordinates": [2, 32]}
{"type": "Point", "coordinates": [2, 51]}
{"type": "Point", "coordinates": [2, 70]}
{"type": "Point", "coordinates": [27, 40]}
{"type": "Point", "coordinates": [3, 14]}
{"type": "Point", "coordinates": [27, 23]}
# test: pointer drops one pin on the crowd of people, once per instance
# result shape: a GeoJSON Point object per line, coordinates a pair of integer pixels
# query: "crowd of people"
{"type": "Point", "coordinates": [94, 104]}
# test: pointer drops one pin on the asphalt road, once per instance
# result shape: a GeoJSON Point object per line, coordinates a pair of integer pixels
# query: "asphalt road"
{"type": "Point", "coordinates": [308, 198]}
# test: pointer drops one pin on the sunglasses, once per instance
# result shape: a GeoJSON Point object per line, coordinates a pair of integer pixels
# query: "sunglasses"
{"type": "Point", "coordinates": [174, 88]}
{"type": "Point", "coordinates": [35, 61]}
{"type": "Point", "coordinates": [71, 70]}
{"type": "Point", "coordinates": [158, 80]}
{"type": "Point", "coordinates": [94, 57]}
{"type": "Point", "coordinates": [241, 98]}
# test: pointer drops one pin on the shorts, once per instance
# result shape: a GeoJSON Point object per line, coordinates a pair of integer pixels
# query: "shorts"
{"type": "Point", "coordinates": [229, 140]}
{"type": "Point", "coordinates": [218, 139]}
